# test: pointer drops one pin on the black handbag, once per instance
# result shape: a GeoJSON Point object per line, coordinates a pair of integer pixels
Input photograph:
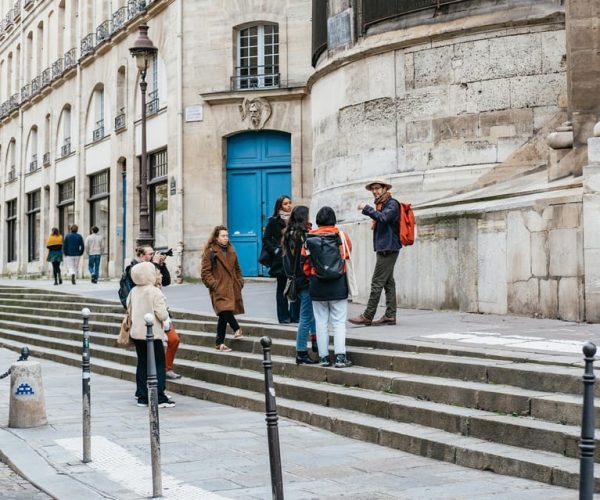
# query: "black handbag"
{"type": "Point", "coordinates": [290, 291]}
{"type": "Point", "coordinates": [265, 257]}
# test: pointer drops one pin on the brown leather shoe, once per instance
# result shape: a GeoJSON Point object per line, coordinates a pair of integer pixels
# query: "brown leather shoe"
{"type": "Point", "coordinates": [361, 320]}
{"type": "Point", "coordinates": [385, 320]}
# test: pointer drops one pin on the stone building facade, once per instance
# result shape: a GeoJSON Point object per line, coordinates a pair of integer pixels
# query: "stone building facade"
{"type": "Point", "coordinates": [70, 108]}
{"type": "Point", "coordinates": [466, 107]}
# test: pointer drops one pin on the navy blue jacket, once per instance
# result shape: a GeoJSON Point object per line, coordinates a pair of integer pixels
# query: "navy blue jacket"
{"type": "Point", "coordinates": [73, 245]}
{"type": "Point", "coordinates": [386, 237]}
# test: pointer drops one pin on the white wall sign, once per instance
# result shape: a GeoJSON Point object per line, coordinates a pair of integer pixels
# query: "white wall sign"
{"type": "Point", "coordinates": [194, 113]}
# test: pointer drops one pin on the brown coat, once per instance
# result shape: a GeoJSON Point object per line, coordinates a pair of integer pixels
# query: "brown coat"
{"type": "Point", "coordinates": [223, 279]}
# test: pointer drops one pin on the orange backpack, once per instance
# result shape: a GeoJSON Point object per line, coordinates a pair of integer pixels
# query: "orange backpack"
{"type": "Point", "coordinates": [407, 224]}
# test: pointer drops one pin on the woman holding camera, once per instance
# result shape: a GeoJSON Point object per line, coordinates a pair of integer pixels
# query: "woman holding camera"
{"type": "Point", "coordinates": [222, 275]}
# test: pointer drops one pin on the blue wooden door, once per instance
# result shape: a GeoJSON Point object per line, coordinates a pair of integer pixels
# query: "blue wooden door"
{"type": "Point", "coordinates": [258, 172]}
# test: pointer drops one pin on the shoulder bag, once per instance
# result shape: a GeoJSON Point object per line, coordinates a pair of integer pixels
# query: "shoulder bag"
{"type": "Point", "coordinates": [350, 275]}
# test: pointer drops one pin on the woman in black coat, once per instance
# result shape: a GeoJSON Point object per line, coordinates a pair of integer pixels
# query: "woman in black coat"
{"type": "Point", "coordinates": [272, 243]}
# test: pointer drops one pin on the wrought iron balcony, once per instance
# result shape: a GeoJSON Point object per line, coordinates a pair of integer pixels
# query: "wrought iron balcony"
{"type": "Point", "coordinates": [9, 19]}
{"type": "Point", "coordinates": [27, 4]}
{"type": "Point", "coordinates": [46, 77]}
{"type": "Point", "coordinates": [15, 101]}
{"type": "Point", "coordinates": [25, 92]}
{"type": "Point", "coordinates": [98, 132]}
{"type": "Point", "coordinates": [17, 10]}
{"type": "Point", "coordinates": [70, 59]}
{"type": "Point", "coordinates": [152, 105]}
{"type": "Point", "coordinates": [57, 68]}
{"type": "Point", "coordinates": [120, 18]}
{"type": "Point", "coordinates": [120, 121]}
{"type": "Point", "coordinates": [12, 174]}
{"type": "Point", "coordinates": [103, 32]}
{"type": "Point", "coordinates": [87, 44]}
{"type": "Point", "coordinates": [33, 164]}
{"type": "Point", "coordinates": [4, 109]}
{"type": "Point", "coordinates": [255, 77]}
{"type": "Point", "coordinates": [65, 150]}
{"type": "Point", "coordinates": [46, 159]}
{"type": "Point", "coordinates": [36, 84]}
{"type": "Point", "coordinates": [134, 8]}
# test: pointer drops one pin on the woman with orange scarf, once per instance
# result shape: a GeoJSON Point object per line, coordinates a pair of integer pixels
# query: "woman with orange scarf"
{"type": "Point", "coordinates": [55, 254]}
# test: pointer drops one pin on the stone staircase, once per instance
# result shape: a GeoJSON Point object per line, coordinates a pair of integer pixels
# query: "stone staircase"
{"type": "Point", "coordinates": [487, 410]}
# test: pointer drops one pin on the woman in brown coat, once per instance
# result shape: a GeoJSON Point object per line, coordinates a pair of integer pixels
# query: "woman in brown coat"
{"type": "Point", "coordinates": [222, 276]}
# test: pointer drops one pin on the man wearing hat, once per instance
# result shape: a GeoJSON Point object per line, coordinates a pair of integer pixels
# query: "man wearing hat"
{"type": "Point", "coordinates": [386, 242]}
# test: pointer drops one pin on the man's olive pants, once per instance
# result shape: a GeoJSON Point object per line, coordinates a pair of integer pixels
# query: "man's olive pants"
{"type": "Point", "coordinates": [383, 278]}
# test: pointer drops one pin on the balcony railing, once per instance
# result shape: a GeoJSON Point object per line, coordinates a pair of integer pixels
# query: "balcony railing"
{"type": "Point", "coordinates": [255, 77]}
{"type": "Point", "coordinates": [65, 150]}
{"type": "Point", "coordinates": [87, 44]}
{"type": "Point", "coordinates": [120, 121]}
{"type": "Point", "coordinates": [46, 77]}
{"type": "Point", "coordinates": [17, 10]}
{"type": "Point", "coordinates": [103, 32]}
{"type": "Point", "coordinates": [14, 102]}
{"type": "Point", "coordinates": [134, 8]}
{"type": "Point", "coordinates": [9, 19]}
{"type": "Point", "coordinates": [57, 68]}
{"type": "Point", "coordinates": [98, 132]}
{"type": "Point", "coordinates": [36, 85]}
{"type": "Point", "coordinates": [152, 104]}
{"type": "Point", "coordinates": [33, 164]}
{"type": "Point", "coordinates": [120, 18]}
{"type": "Point", "coordinates": [46, 159]}
{"type": "Point", "coordinates": [12, 174]}
{"type": "Point", "coordinates": [25, 92]}
{"type": "Point", "coordinates": [4, 109]}
{"type": "Point", "coordinates": [70, 59]}
{"type": "Point", "coordinates": [27, 4]}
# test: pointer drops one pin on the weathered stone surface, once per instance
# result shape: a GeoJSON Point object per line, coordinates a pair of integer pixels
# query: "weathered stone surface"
{"type": "Point", "coordinates": [523, 297]}
{"type": "Point", "coordinates": [463, 127]}
{"type": "Point", "coordinates": [467, 264]}
{"type": "Point", "coordinates": [419, 131]}
{"type": "Point", "coordinates": [594, 149]}
{"type": "Point", "coordinates": [518, 119]}
{"type": "Point", "coordinates": [564, 254]}
{"type": "Point", "coordinates": [536, 90]}
{"type": "Point", "coordinates": [539, 254]}
{"type": "Point", "coordinates": [516, 55]}
{"type": "Point", "coordinates": [488, 95]}
{"type": "Point", "coordinates": [433, 66]}
{"type": "Point", "coordinates": [492, 289]}
{"type": "Point", "coordinates": [518, 248]}
{"type": "Point", "coordinates": [27, 400]}
{"type": "Point", "coordinates": [570, 295]}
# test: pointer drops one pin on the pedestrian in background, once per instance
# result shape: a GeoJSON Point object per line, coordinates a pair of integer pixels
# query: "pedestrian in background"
{"type": "Point", "coordinates": [386, 243]}
{"type": "Point", "coordinates": [146, 298]}
{"type": "Point", "coordinates": [55, 253]}
{"type": "Point", "coordinates": [73, 248]}
{"type": "Point", "coordinates": [272, 242]}
{"type": "Point", "coordinates": [94, 247]}
{"type": "Point", "coordinates": [294, 236]}
{"type": "Point", "coordinates": [222, 275]}
{"type": "Point", "coordinates": [326, 250]}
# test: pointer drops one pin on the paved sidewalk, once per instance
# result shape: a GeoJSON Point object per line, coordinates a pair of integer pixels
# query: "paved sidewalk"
{"type": "Point", "coordinates": [210, 451]}
{"type": "Point", "coordinates": [14, 487]}
{"type": "Point", "coordinates": [449, 328]}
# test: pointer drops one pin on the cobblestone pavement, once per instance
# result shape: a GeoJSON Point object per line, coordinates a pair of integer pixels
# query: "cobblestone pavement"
{"type": "Point", "coordinates": [14, 487]}
{"type": "Point", "coordinates": [215, 451]}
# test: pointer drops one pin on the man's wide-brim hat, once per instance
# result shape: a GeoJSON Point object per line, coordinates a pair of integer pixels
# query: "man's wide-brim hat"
{"type": "Point", "coordinates": [378, 180]}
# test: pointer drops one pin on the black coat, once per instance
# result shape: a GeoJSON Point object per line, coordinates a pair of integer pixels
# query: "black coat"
{"type": "Point", "coordinates": [272, 242]}
{"type": "Point", "coordinates": [386, 236]}
{"type": "Point", "coordinates": [293, 261]}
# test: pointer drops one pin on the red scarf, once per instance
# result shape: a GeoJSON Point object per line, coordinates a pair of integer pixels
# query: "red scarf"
{"type": "Point", "coordinates": [379, 202]}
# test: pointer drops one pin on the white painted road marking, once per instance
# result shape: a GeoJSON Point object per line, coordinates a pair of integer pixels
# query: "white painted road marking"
{"type": "Point", "coordinates": [120, 466]}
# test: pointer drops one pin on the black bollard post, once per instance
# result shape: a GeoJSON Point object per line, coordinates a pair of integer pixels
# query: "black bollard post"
{"type": "Point", "coordinates": [586, 469]}
{"type": "Point", "coordinates": [85, 387]}
{"type": "Point", "coordinates": [272, 430]}
{"type": "Point", "coordinates": [153, 408]}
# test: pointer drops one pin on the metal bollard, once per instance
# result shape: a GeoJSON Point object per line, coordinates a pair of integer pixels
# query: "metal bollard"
{"type": "Point", "coordinates": [153, 408]}
{"type": "Point", "coordinates": [85, 387]}
{"type": "Point", "coordinates": [586, 470]}
{"type": "Point", "coordinates": [272, 430]}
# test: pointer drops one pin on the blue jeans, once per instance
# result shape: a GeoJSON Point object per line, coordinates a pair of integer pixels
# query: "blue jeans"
{"type": "Point", "coordinates": [307, 320]}
{"type": "Point", "coordinates": [94, 265]}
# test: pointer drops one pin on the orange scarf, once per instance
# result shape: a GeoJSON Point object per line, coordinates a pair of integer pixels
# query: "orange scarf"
{"type": "Point", "coordinates": [379, 205]}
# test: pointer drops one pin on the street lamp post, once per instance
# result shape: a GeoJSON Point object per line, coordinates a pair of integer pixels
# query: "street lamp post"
{"type": "Point", "coordinates": [143, 51]}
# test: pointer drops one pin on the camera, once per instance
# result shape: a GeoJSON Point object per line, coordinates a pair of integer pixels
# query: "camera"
{"type": "Point", "coordinates": [167, 253]}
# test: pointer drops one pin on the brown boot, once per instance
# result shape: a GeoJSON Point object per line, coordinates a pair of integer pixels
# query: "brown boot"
{"type": "Point", "coordinates": [361, 320]}
{"type": "Point", "coordinates": [385, 320]}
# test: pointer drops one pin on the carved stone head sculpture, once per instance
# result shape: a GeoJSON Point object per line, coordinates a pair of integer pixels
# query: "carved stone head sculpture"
{"type": "Point", "coordinates": [256, 111]}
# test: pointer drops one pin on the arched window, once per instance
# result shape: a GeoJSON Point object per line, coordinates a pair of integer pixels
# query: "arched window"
{"type": "Point", "coordinates": [47, 141]}
{"type": "Point", "coordinates": [29, 57]}
{"type": "Point", "coordinates": [95, 129]}
{"type": "Point", "coordinates": [31, 155]}
{"type": "Point", "coordinates": [63, 134]}
{"type": "Point", "coordinates": [257, 57]}
{"type": "Point", "coordinates": [11, 165]}
{"type": "Point", "coordinates": [39, 51]}
{"type": "Point", "coordinates": [120, 122]}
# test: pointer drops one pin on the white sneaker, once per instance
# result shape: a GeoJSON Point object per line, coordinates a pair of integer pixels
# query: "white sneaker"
{"type": "Point", "coordinates": [169, 403]}
{"type": "Point", "coordinates": [172, 375]}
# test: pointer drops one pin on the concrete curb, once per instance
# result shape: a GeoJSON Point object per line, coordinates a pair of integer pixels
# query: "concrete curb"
{"type": "Point", "coordinates": [25, 461]}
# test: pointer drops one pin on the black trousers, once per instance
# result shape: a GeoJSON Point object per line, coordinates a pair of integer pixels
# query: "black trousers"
{"type": "Point", "coordinates": [224, 318]}
{"type": "Point", "coordinates": [286, 311]}
{"type": "Point", "coordinates": [141, 373]}
{"type": "Point", "coordinates": [56, 270]}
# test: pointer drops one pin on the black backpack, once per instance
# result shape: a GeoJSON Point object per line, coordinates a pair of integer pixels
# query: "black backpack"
{"type": "Point", "coordinates": [324, 254]}
{"type": "Point", "coordinates": [125, 285]}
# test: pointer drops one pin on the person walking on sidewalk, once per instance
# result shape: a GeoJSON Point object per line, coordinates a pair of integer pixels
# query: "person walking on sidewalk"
{"type": "Point", "coordinates": [326, 250]}
{"type": "Point", "coordinates": [55, 254]}
{"type": "Point", "coordinates": [221, 274]}
{"type": "Point", "coordinates": [282, 210]}
{"type": "Point", "coordinates": [294, 237]}
{"type": "Point", "coordinates": [73, 247]}
{"type": "Point", "coordinates": [386, 243]}
{"type": "Point", "coordinates": [94, 247]}
{"type": "Point", "coordinates": [145, 298]}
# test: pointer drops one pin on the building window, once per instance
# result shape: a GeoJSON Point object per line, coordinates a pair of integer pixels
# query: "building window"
{"type": "Point", "coordinates": [66, 205]}
{"type": "Point", "coordinates": [159, 198]}
{"type": "Point", "coordinates": [258, 57]}
{"type": "Point", "coordinates": [99, 204]}
{"type": "Point", "coordinates": [33, 225]}
{"type": "Point", "coordinates": [11, 230]}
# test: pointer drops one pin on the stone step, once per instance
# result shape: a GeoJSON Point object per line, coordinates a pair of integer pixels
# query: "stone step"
{"type": "Point", "coordinates": [548, 467]}
{"type": "Point", "coordinates": [244, 370]}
